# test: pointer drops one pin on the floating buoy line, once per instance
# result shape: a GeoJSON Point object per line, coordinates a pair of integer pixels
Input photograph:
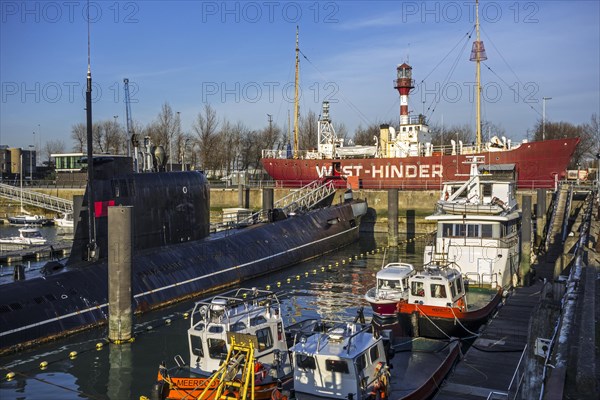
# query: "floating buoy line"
{"type": "Point", "coordinates": [10, 374]}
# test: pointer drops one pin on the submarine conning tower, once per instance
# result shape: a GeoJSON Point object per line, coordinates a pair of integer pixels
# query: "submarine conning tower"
{"type": "Point", "coordinates": [404, 83]}
{"type": "Point", "coordinates": [169, 208]}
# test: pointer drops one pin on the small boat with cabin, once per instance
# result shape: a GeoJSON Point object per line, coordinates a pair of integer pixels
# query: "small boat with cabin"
{"type": "Point", "coordinates": [65, 221]}
{"type": "Point", "coordinates": [367, 362]}
{"type": "Point", "coordinates": [348, 361]}
{"type": "Point", "coordinates": [391, 287]}
{"type": "Point", "coordinates": [440, 306]}
{"type": "Point", "coordinates": [30, 220]}
{"type": "Point", "coordinates": [216, 324]}
{"type": "Point", "coordinates": [28, 236]}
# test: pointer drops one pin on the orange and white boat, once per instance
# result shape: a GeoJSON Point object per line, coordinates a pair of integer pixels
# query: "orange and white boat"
{"type": "Point", "coordinates": [438, 306]}
{"type": "Point", "coordinates": [214, 322]}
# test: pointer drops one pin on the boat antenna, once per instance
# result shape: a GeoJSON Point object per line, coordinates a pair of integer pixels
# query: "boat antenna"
{"type": "Point", "coordinates": [478, 55]}
{"type": "Point", "coordinates": [296, 107]}
{"type": "Point", "coordinates": [91, 246]}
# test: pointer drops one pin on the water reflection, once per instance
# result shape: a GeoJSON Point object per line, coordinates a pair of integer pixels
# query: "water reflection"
{"type": "Point", "coordinates": [128, 371]}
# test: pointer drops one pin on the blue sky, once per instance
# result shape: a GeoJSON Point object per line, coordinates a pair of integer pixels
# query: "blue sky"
{"type": "Point", "coordinates": [239, 57]}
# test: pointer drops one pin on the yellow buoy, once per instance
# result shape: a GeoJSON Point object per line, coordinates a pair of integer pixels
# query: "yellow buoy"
{"type": "Point", "coordinates": [43, 364]}
{"type": "Point", "coordinates": [168, 321]}
{"type": "Point", "coordinates": [278, 284]}
{"type": "Point", "coordinates": [99, 345]}
{"type": "Point", "coordinates": [185, 315]}
{"type": "Point", "coordinates": [289, 280]}
{"type": "Point", "coordinates": [10, 376]}
{"type": "Point", "coordinates": [73, 354]}
{"type": "Point", "coordinates": [268, 287]}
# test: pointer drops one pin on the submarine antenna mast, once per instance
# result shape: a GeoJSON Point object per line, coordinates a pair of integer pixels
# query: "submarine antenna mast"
{"type": "Point", "coordinates": [133, 138]}
{"type": "Point", "coordinates": [478, 55]}
{"type": "Point", "coordinates": [296, 109]}
{"type": "Point", "coordinates": [91, 246]}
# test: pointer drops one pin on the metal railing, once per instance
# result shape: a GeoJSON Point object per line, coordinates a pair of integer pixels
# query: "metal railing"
{"type": "Point", "coordinates": [35, 199]}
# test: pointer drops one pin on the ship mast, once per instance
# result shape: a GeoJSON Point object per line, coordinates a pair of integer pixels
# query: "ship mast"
{"type": "Point", "coordinates": [91, 246]}
{"type": "Point", "coordinates": [296, 106]}
{"type": "Point", "coordinates": [478, 55]}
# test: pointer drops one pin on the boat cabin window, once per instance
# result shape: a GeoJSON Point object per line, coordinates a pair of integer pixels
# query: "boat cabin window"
{"type": "Point", "coordinates": [361, 362]}
{"type": "Point", "coordinates": [467, 230]}
{"type": "Point", "coordinates": [196, 343]}
{"type": "Point", "coordinates": [417, 289]}
{"type": "Point", "coordinates": [487, 189]}
{"type": "Point", "coordinates": [199, 327]}
{"type": "Point", "coordinates": [389, 284]}
{"type": "Point", "coordinates": [264, 338]}
{"type": "Point", "coordinates": [215, 328]}
{"type": "Point", "coordinates": [258, 320]}
{"type": "Point", "coordinates": [374, 353]}
{"type": "Point", "coordinates": [217, 349]}
{"type": "Point", "coordinates": [453, 289]}
{"type": "Point", "coordinates": [305, 361]}
{"type": "Point", "coordinates": [340, 366]}
{"type": "Point", "coordinates": [438, 291]}
{"type": "Point", "coordinates": [459, 285]}
{"type": "Point", "coordinates": [237, 327]}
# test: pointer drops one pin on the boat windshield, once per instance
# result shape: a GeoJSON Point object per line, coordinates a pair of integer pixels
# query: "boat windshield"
{"type": "Point", "coordinates": [31, 234]}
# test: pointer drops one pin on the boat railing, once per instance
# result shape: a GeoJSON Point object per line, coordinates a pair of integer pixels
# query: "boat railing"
{"type": "Point", "coordinates": [517, 378]}
{"type": "Point", "coordinates": [346, 327]}
{"type": "Point", "coordinates": [250, 300]}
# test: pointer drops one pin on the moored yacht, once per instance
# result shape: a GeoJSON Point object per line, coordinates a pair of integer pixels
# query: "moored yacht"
{"type": "Point", "coordinates": [478, 228]}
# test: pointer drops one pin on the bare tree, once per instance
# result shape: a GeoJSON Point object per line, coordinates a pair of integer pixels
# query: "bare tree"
{"type": "Point", "coordinates": [341, 131]}
{"type": "Point", "coordinates": [54, 147]}
{"type": "Point", "coordinates": [458, 133]}
{"type": "Point", "coordinates": [205, 128]}
{"type": "Point", "coordinates": [98, 137]}
{"type": "Point", "coordinates": [307, 131]}
{"type": "Point", "coordinates": [364, 136]}
{"type": "Point", "coordinates": [78, 134]}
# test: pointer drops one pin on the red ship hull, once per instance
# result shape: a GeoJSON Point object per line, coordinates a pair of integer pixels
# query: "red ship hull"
{"type": "Point", "coordinates": [537, 165]}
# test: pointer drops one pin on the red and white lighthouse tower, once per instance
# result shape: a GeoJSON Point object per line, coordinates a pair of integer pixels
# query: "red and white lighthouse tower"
{"type": "Point", "coordinates": [404, 83]}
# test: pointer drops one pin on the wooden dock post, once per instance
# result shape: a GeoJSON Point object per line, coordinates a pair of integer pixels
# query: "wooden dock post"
{"type": "Point", "coordinates": [526, 240]}
{"type": "Point", "coordinates": [267, 199]}
{"type": "Point", "coordinates": [120, 248]}
{"type": "Point", "coordinates": [393, 217]}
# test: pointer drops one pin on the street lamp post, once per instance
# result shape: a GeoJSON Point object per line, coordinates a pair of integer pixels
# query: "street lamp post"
{"type": "Point", "coordinates": [31, 147]}
{"type": "Point", "coordinates": [544, 116]}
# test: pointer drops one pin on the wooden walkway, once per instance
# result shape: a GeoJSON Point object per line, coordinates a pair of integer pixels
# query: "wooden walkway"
{"type": "Point", "coordinates": [489, 365]}
{"type": "Point", "coordinates": [35, 253]}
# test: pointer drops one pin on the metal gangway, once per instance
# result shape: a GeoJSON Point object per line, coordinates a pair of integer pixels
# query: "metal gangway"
{"type": "Point", "coordinates": [304, 198]}
{"type": "Point", "coordinates": [35, 199]}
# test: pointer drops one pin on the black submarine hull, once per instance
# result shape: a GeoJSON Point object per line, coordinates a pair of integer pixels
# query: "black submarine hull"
{"type": "Point", "coordinates": [76, 298]}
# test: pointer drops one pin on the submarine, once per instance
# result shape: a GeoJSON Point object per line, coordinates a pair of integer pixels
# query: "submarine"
{"type": "Point", "coordinates": [174, 254]}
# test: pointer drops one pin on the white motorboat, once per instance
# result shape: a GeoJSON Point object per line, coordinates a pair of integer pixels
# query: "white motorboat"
{"type": "Point", "coordinates": [392, 286]}
{"type": "Point", "coordinates": [66, 221]}
{"type": "Point", "coordinates": [478, 224]}
{"type": "Point", "coordinates": [27, 236]}
{"type": "Point", "coordinates": [36, 220]}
